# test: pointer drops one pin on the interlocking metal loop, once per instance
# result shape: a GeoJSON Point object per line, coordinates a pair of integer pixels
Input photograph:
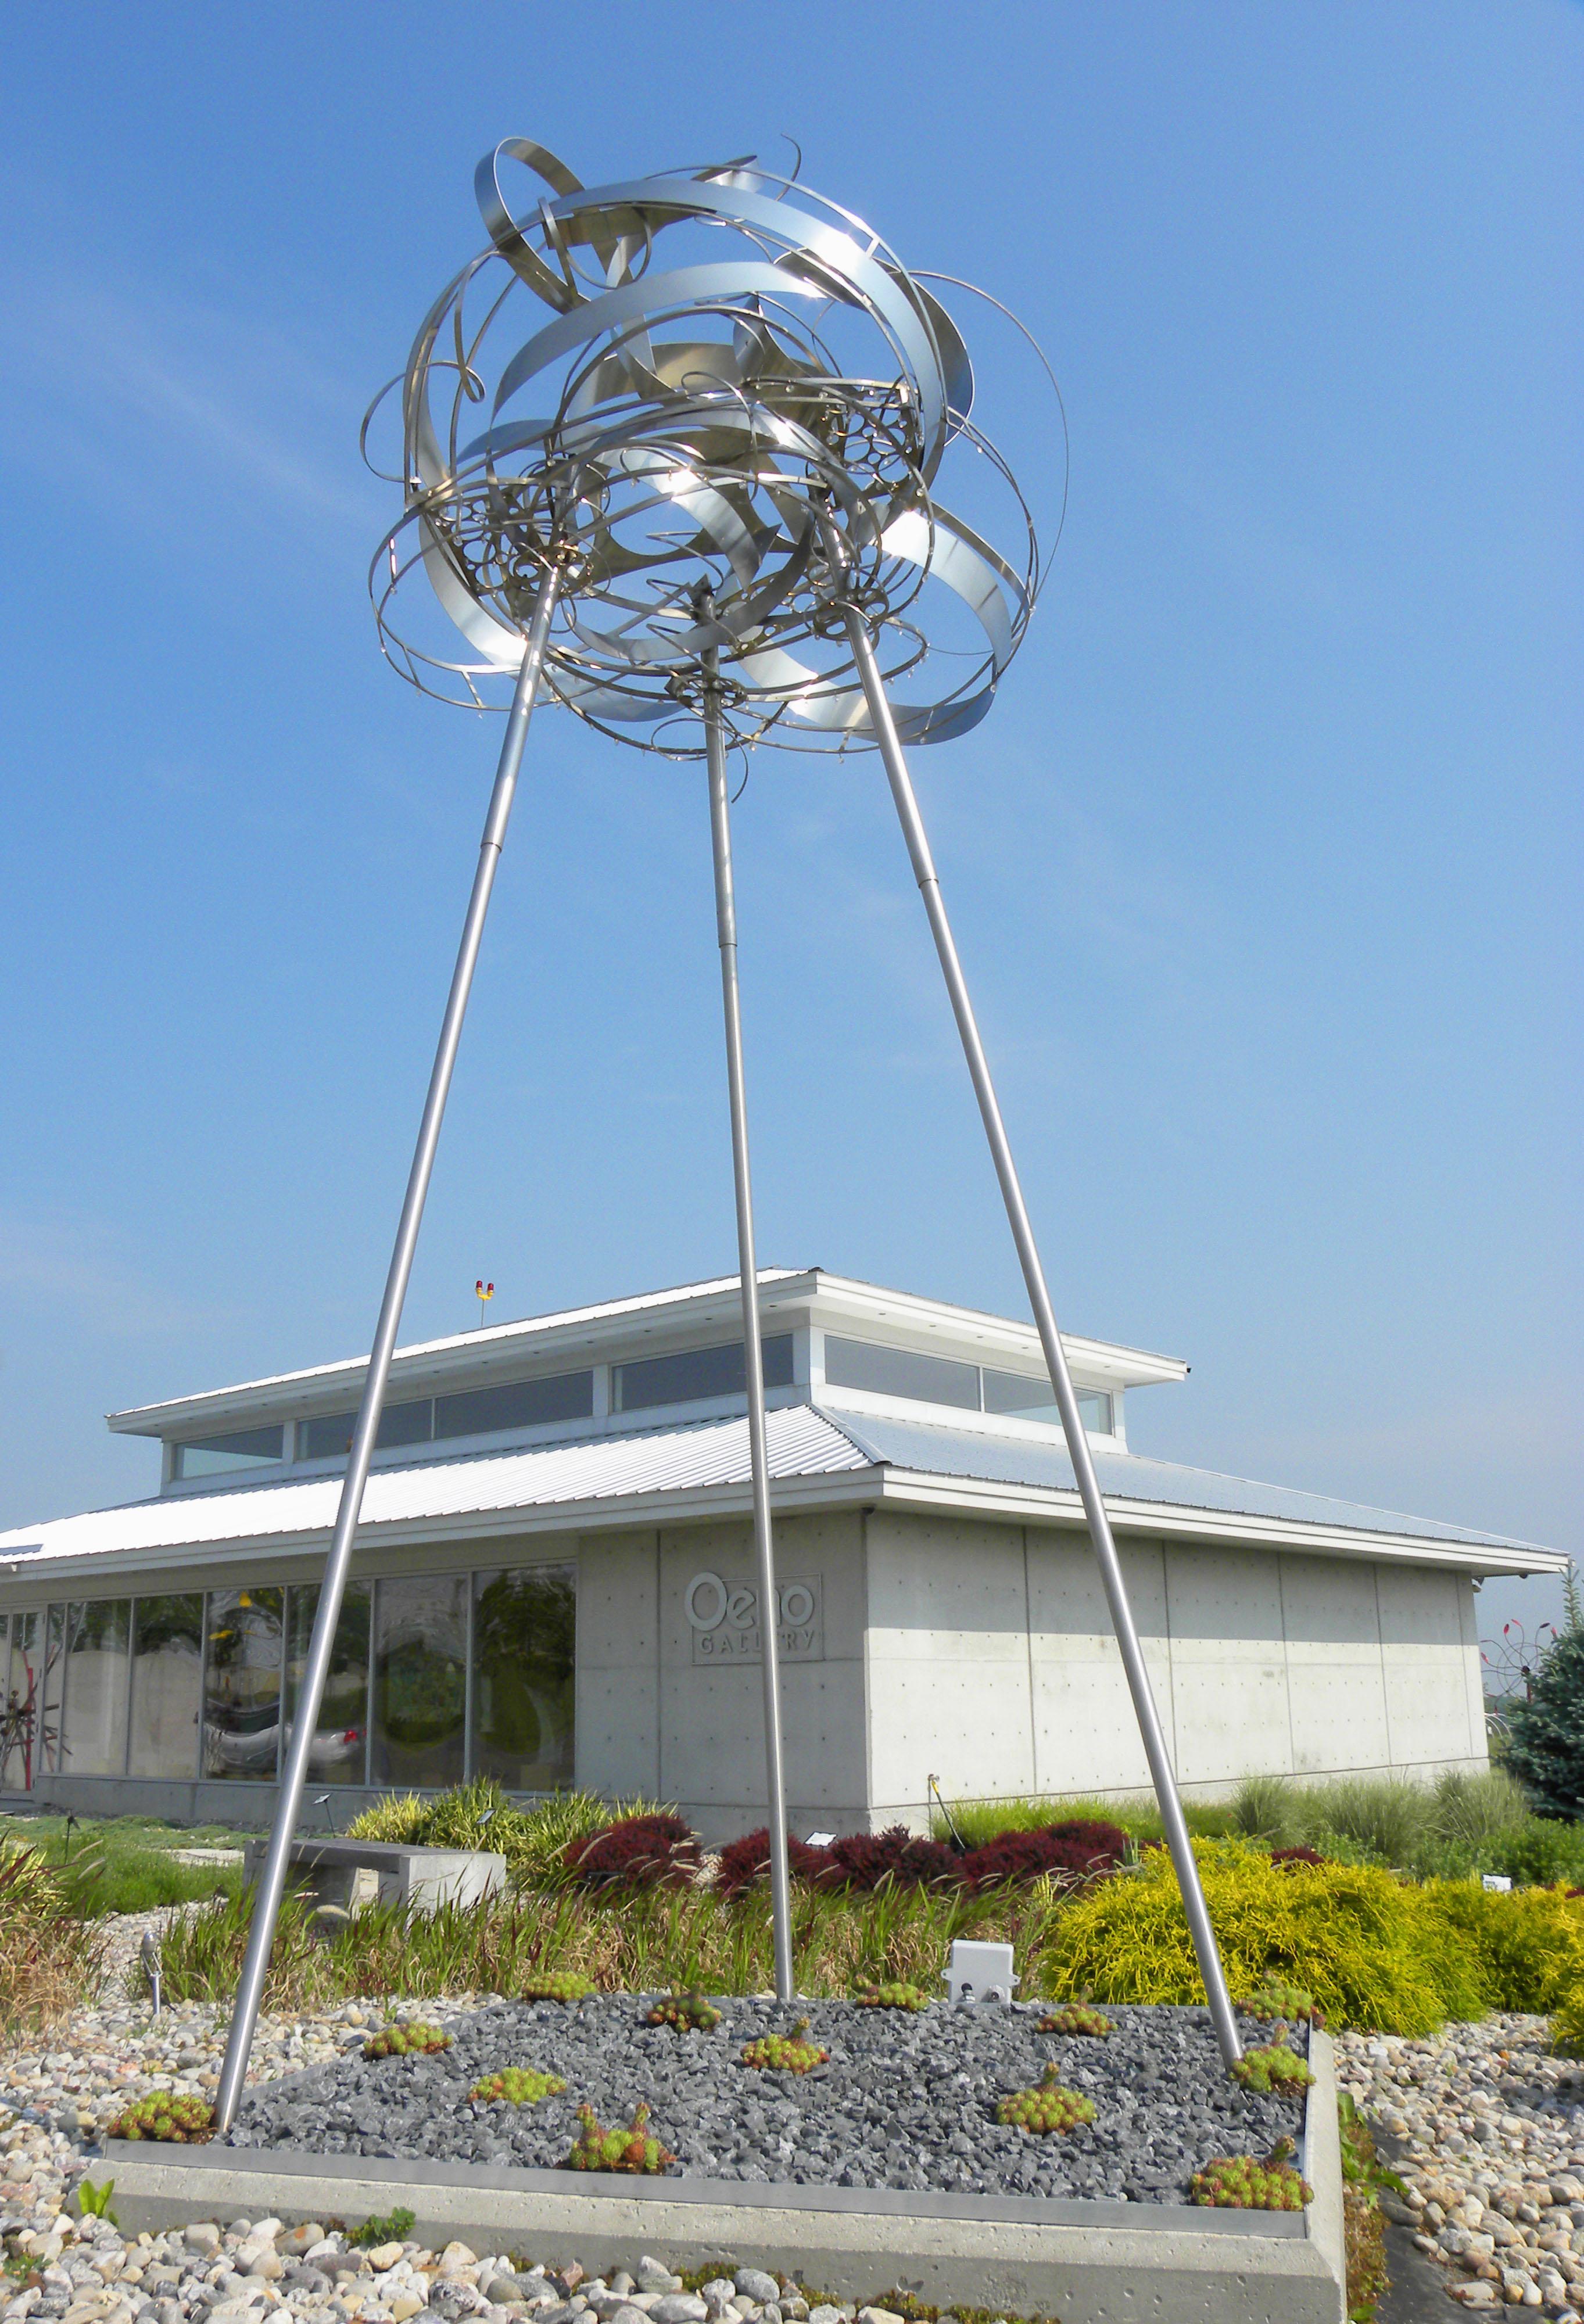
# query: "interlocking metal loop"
{"type": "Point", "coordinates": [662, 385]}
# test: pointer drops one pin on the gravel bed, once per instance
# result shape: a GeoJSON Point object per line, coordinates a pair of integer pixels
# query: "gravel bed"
{"type": "Point", "coordinates": [906, 2100]}
{"type": "Point", "coordinates": [1488, 2129]}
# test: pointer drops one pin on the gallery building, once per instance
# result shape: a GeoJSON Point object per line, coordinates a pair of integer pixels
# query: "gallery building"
{"type": "Point", "coordinates": [554, 1582]}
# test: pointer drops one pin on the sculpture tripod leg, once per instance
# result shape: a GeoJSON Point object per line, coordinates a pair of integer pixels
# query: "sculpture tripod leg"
{"type": "Point", "coordinates": [338, 1560]}
{"type": "Point", "coordinates": [1094, 1509]}
{"type": "Point", "coordinates": [752, 1350]}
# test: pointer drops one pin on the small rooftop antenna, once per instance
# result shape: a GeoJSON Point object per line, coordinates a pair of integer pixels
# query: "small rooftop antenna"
{"type": "Point", "coordinates": [483, 1293]}
{"type": "Point", "coordinates": [673, 454]}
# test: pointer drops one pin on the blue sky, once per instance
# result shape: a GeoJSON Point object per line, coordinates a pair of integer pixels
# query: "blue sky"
{"type": "Point", "coordinates": [1265, 867]}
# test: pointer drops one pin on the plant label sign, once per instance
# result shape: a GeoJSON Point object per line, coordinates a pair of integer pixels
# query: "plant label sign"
{"type": "Point", "coordinates": [723, 1617]}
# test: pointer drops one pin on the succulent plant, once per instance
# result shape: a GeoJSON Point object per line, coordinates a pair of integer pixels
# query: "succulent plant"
{"type": "Point", "coordinates": [410, 2041]}
{"type": "Point", "coordinates": [1243, 2182]}
{"type": "Point", "coordinates": [1077, 2017]}
{"type": "Point", "coordinates": [632, 2149]}
{"type": "Point", "coordinates": [517, 2085]}
{"type": "Point", "coordinates": [1273, 2067]}
{"type": "Point", "coordinates": [558, 1985]}
{"type": "Point", "coordinates": [168, 2115]}
{"type": "Point", "coordinates": [785, 2054]}
{"type": "Point", "coordinates": [688, 2012]}
{"type": "Point", "coordinates": [893, 1996]}
{"type": "Point", "coordinates": [1289, 2001]}
{"type": "Point", "coordinates": [1047, 2108]}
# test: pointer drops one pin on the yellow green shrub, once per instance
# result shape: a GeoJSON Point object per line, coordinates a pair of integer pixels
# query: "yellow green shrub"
{"type": "Point", "coordinates": [1528, 1944]}
{"type": "Point", "coordinates": [1373, 1950]}
{"type": "Point", "coordinates": [1567, 2024]}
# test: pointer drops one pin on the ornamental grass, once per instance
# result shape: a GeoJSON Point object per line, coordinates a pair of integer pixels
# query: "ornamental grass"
{"type": "Point", "coordinates": [49, 1961]}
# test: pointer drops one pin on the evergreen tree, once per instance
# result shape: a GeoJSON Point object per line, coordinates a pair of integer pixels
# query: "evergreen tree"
{"type": "Point", "coordinates": [1546, 1750]}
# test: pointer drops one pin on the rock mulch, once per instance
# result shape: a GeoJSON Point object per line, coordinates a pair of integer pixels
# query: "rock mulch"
{"type": "Point", "coordinates": [905, 2100]}
{"type": "Point", "coordinates": [1489, 2128]}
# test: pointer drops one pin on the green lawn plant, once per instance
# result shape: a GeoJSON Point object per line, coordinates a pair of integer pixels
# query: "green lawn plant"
{"type": "Point", "coordinates": [1242, 2183]}
{"type": "Point", "coordinates": [1274, 2067]}
{"type": "Point", "coordinates": [383, 2228]}
{"type": "Point", "coordinates": [1077, 2017]}
{"type": "Point", "coordinates": [94, 2202]}
{"type": "Point", "coordinates": [125, 1864]}
{"type": "Point", "coordinates": [632, 2149]}
{"type": "Point", "coordinates": [413, 2039]}
{"type": "Point", "coordinates": [785, 2054]}
{"type": "Point", "coordinates": [175, 2118]}
{"type": "Point", "coordinates": [896, 1994]}
{"type": "Point", "coordinates": [1047, 2108]}
{"type": "Point", "coordinates": [518, 2086]}
{"type": "Point", "coordinates": [690, 2012]}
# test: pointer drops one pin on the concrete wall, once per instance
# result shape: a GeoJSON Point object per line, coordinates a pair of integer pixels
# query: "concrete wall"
{"type": "Point", "coordinates": [977, 1651]}
{"type": "Point", "coordinates": [992, 1664]}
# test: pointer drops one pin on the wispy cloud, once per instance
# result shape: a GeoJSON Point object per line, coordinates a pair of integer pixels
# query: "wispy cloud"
{"type": "Point", "coordinates": [76, 1270]}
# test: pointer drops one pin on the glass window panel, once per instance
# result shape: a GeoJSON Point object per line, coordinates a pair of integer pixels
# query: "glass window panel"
{"type": "Point", "coordinates": [694, 1373]}
{"type": "Point", "coordinates": [241, 1684]}
{"type": "Point", "coordinates": [167, 1685]}
{"type": "Point", "coordinates": [245, 1448]}
{"type": "Point", "coordinates": [54, 1690]}
{"type": "Point", "coordinates": [1094, 1408]}
{"type": "Point", "coordinates": [900, 1371]}
{"type": "Point", "coordinates": [420, 1680]}
{"type": "Point", "coordinates": [523, 1630]}
{"type": "Point", "coordinates": [328, 1435]}
{"type": "Point", "coordinates": [18, 1741]}
{"type": "Point", "coordinates": [99, 1672]}
{"type": "Point", "coordinates": [1035, 1399]}
{"type": "Point", "coordinates": [340, 1744]}
{"type": "Point", "coordinates": [517, 1404]}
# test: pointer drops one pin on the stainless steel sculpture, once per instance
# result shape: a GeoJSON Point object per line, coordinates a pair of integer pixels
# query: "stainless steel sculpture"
{"type": "Point", "coordinates": [671, 451]}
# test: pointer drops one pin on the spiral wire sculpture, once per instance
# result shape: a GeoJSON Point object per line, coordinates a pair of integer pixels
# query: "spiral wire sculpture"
{"type": "Point", "coordinates": [714, 362]}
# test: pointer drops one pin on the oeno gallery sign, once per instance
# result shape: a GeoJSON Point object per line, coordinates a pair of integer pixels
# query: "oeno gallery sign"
{"type": "Point", "coordinates": [723, 1617]}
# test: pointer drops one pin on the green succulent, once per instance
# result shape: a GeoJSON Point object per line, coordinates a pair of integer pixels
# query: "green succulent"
{"type": "Point", "coordinates": [558, 1985]}
{"type": "Point", "coordinates": [1285, 2001]}
{"type": "Point", "coordinates": [1047, 2108]}
{"type": "Point", "coordinates": [894, 1996]}
{"type": "Point", "coordinates": [688, 2012]}
{"type": "Point", "coordinates": [415, 2040]}
{"type": "Point", "coordinates": [519, 2086]}
{"type": "Point", "coordinates": [178, 2119]}
{"type": "Point", "coordinates": [1274, 2068]}
{"type": "Point", "coordinates": [1075, 2017]}
{"type": "Point", "coordinates": [785, 2054]}
{"type": "Point", "coordinates": [1243, 2182]}
{"type": "Point", "coordinates": [632, 2149]}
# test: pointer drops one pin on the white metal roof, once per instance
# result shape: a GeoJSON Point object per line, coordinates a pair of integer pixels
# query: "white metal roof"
{"type": "Point", "coordinates": [818, 1459]}
{"type": "Point", "coordinates": [582, 1334]}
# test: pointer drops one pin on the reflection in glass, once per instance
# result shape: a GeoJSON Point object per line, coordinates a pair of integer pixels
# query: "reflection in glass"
{"type": "Point", "coordinates": [900, 1371]}
{"type": "Point", "coordinates": [695, 1373]}
{"type": "Point", "coordinates": [328, 1435]}
{"type": "Point", "coordinates": [18, 1736]}
{"type": "Point", "coordinates": [241, 1684]}
{"type": "Point", "coordinates": [53, 1691]}
{"type": "Point", "coordinates": [523, 1628]}
{"type": "Point", "coordinates": [420, 1680]}
{"type": "Point", "coordinates": [340, 1741]}
{"type": "Point", "coordinates": [167, 1685]}
{"type": "Point", "coordinates": [518, 1404]}
{"type": "Point", "coordinates": [97, 1678]}
{"type": "Point", "coordinates": [215, 1456]}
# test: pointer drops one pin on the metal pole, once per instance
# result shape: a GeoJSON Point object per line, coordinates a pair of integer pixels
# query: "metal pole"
{"type": "Point", "coordinates": [1094, 1508]}
{"type": "Point", "coordinates": [273, 1879]}
{"type": "Point", "coordinates": [753, 1351]}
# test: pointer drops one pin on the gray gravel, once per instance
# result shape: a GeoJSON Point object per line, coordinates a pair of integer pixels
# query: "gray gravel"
{"type": "Point", "coordinates": [905, 2101]}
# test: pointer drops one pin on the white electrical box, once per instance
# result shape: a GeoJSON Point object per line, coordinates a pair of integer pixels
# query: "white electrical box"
{"type": "Point", "coordinates": [977, 1972]}
{"type": "Point", "coordinates": [1496, 1884]}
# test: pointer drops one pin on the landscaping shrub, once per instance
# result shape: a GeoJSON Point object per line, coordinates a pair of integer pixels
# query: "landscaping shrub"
{"type": "Point", "coordinates": [1373, 1950]}
{"type": "Point", "coordinates": [1529, 1945]}
{"type": "Point", "coordinates": [534, 1840]}
{"type": "Point", "coordinates": [49, 1961]}
{"type": "Point", "coordinates": [1545, 1735]}
{"type": "Point", "coordinates": [1472, 1810]}
{"type": "Point", "coordinates": [744, 1861]}
{"type": "Point", "coordinates": [399, 1818]}
{"type": "Point", "coordinates": [863, 1860]}
{"type": "Point", "coordinates": [641, 1851]}
{"type": "Point", "coordinates": [1081, 1848]}
{"type": "Point", "coordinates": [1299, 1855]}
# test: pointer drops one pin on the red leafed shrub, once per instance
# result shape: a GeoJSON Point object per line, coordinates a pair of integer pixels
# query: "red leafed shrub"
{"type": "Point", "coordinates": [646, 1851]}
{"type": "Point", "coordinates": [1081, 1847]}
{"type": "Point", "coordinates": [1296, 1856]}
{"type": "Point", "coordinates": [744, 1861]}
{"type": "Point", "coordinates": [864, 1858]}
